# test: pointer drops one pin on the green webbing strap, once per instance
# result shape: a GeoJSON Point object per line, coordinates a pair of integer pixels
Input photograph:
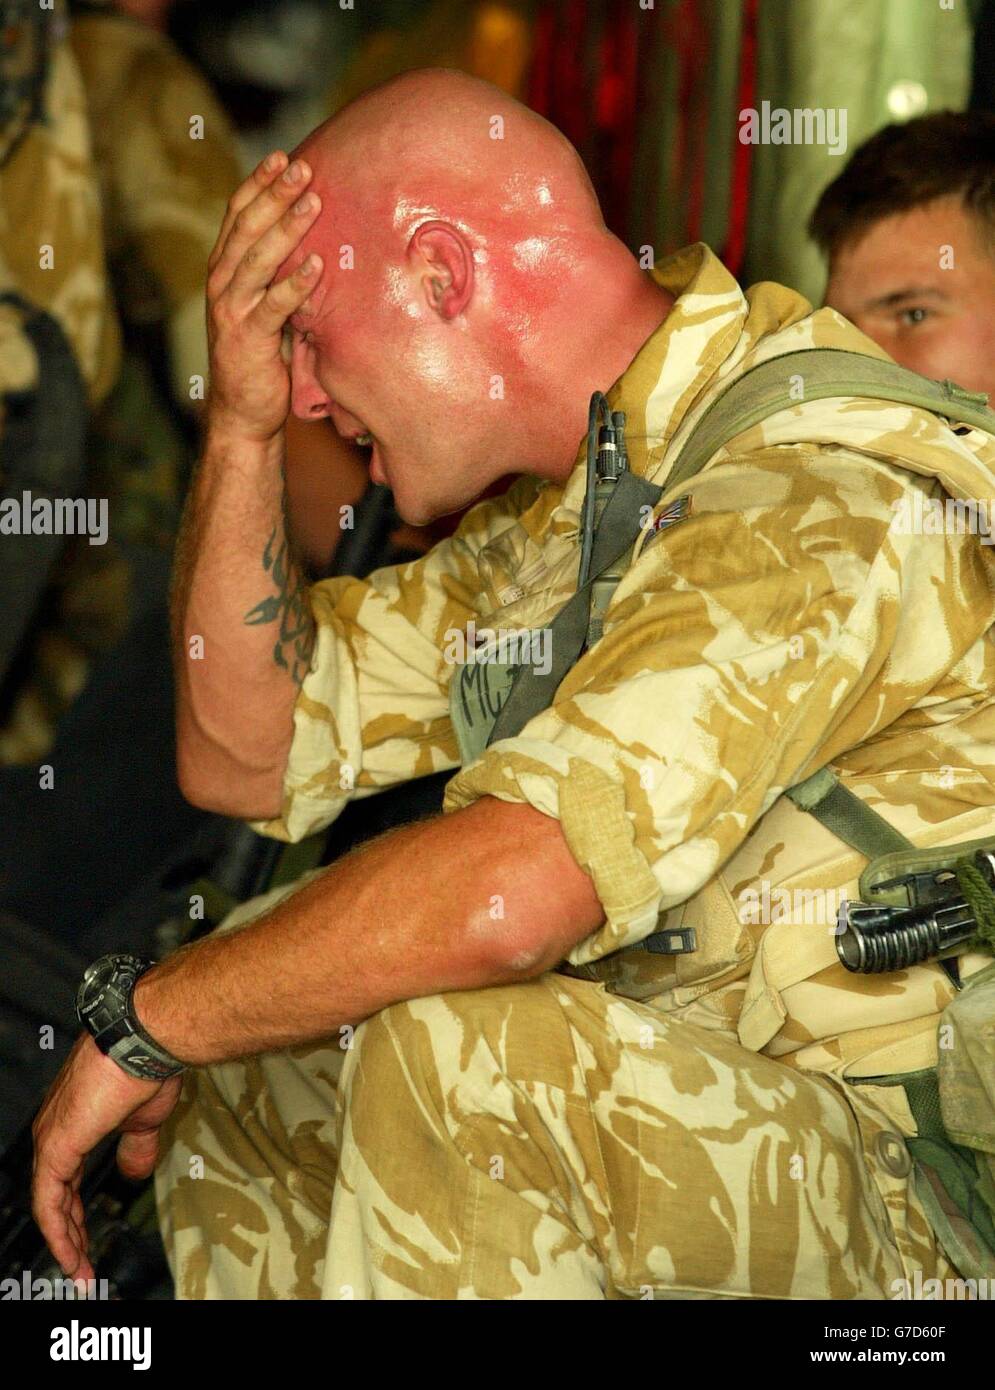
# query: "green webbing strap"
{"type": "Point", "coordinates": [846, 815]}
{"type": "Point", "coordinates": [948, 1173]}
{"type": "Point", "coordinates": [851, 820]}
{"type": "Point", "coordinates": [296, 859]}
{"type": "Point", "coordinates": [947, 1177]}
{"type": "Point", "coordinates": [532, 691]}
{"type": "Point", "coordinates": [957, 1169]}
{"type": "Point", "coordinates": [823, 372]}
{"type": "Point", "coordinates": [922, 1091]}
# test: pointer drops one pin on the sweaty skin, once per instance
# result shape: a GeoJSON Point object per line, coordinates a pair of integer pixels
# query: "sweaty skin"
{"type": "Point", "coordinates": [469, 291]}
{"type": "Point", "coordinates": [453, 291]}
{"type": "Point", "coordinates": [922, 285]}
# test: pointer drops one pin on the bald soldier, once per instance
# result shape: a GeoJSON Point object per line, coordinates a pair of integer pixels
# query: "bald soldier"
{"type": "Point", "coordinates": [448, 1066]}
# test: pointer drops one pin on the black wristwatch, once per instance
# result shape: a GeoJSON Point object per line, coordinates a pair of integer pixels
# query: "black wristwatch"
{"type": "Point", "coordinates": [104, 1006]}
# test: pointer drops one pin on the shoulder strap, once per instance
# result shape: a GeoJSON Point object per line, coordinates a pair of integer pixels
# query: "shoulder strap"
{"type": "Point", "coordinates": [533, 690]}
{"type": "Point", "coordinates": [769, 387]}
{"type": "Point", "coordinates": [846, 815]}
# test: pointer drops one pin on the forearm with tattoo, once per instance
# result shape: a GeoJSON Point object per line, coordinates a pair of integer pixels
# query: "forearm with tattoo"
{"type": "Point", "coordinates": [288, 608]}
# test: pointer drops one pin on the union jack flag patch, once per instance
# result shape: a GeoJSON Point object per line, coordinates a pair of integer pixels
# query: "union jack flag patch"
{"type": "Point", "coordinates": [672, 513]}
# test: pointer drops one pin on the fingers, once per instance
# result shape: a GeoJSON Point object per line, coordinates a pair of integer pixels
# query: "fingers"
{"type": "Point", "coordinates": [138, 1148]}
{"type": "Point", "coordinates": [58, 1210]}
{"type": "Point", "coordinates": [265, 256]}
{"type": "Point", "coordinates": [261, 177]}
{"type": "Point", "coordinates": [88, 1100]}
{"type": "Point", "coordinates": [284, 299]}
{"type": "Point", "coordinates": [75, 1222]}
{"type": "Point", "coordinates": [284, 210]}
{"type": "Point", "coordinates": [137, 1153]}
{"type": "Point", "coordinates": [77, 1216]}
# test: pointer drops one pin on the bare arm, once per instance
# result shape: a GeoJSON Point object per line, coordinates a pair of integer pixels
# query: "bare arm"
{"type": "Point", "coordinates": [485, 896]}
{"type": "Point", "coordinates": [413, 913]}
{"type": "Point", "coordinates": [242, 629]}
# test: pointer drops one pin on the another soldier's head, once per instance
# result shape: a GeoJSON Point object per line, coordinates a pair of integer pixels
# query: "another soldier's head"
{"type": "Point", "coordinates": [909, 230]}
{"type": "Point", "coordinates": [468, 283]}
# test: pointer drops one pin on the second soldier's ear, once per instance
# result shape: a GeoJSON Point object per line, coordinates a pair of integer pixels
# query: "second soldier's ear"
{"type": "Point", "coordinates": [444, 256]}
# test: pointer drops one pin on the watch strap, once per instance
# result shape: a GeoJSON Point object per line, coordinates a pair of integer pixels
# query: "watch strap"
{"type": "Point", "coordinates": [106, 1007]}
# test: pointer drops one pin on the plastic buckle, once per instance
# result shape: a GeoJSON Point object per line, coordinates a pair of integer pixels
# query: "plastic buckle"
{"type": "Point", "coordinates": [921, 889]}
{"type": "Point", "coordinates": [672, 943]}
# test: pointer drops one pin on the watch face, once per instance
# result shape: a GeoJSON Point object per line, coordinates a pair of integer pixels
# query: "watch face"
{"type": "Point", "coordinates": [106, 987]}
{"type": "Point", "coordinates": [103, 1005]}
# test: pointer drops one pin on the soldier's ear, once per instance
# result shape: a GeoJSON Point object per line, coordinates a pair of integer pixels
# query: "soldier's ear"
{"type": "Point", "coordinates": [444, 258]}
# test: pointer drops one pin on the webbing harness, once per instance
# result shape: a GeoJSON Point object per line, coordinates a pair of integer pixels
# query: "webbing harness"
{"type": "Point", "coordinates": [950, 1179]}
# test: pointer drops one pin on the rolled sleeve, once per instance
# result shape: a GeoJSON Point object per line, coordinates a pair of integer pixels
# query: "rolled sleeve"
{"type": "Point", "coordinates": [590, 806]}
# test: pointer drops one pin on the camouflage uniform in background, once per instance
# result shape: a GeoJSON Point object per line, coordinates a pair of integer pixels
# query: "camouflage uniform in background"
{"type": "Point", "coordinates": [163, 196]}
{"type": "Point", "coordinates": [164, 193]}
{"type": "Point", "coordinates": [721, 1123]}
{"type": "Point", "coordinates": [52, 260]}
{"type": "Point", "coordinates": [19, 376]}
{"type": "Point", "coordinates": [49, 196]}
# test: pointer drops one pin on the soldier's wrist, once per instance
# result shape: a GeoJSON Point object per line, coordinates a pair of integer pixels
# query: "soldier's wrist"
{"type": "Point", "coordinates": [105, 1005]}
{"type": "Point", "coordinates": [224, 431]}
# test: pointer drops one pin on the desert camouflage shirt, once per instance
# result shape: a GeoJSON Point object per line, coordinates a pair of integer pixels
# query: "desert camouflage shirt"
{"type": "Point", "coordinates": [784, 623]}
{"type": "Point", "coordinates": [51, 227]}
{"type": "Point", "coordinates": [164, 150]}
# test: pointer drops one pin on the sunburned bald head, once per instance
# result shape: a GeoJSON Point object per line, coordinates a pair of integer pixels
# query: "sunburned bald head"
{"type": "Point", "coordinates": [463, 249]}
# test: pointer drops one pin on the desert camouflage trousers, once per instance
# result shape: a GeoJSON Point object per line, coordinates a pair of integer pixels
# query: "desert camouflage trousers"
{"type": "Point", "coordinates": [541, 1140]}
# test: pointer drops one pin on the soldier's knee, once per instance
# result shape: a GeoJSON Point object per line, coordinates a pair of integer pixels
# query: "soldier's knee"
{"type": "Point", "coordinates": [465, 1043]}
{"type": "Point", "coordinates": [399, 1034]}
{"type": "Point", "coordinates": [393, 1081]}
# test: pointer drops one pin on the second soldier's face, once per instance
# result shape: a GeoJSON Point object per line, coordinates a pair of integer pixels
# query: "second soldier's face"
{"type": "Point", "coordinates": [922, 285]}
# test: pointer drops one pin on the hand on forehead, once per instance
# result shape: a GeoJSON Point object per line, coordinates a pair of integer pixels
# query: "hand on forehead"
{"type": "Point", "coordinates": [318, 238]}
{"type": "Point", "coordinates": [344, 221]}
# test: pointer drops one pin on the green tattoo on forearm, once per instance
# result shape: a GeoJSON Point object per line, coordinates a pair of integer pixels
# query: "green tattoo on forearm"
{"type": "Point", "coordinates": [289, 607]}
